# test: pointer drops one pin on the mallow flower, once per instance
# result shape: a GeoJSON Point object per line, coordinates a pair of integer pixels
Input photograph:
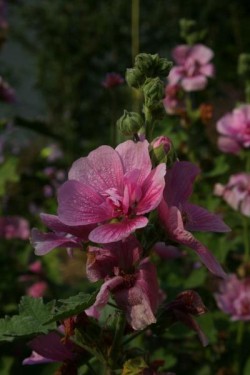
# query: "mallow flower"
{"type": "Point", "coordinates": [131, 281]}
{"type": "Point", "coordinates": [233, 297]}
{"type": "Point", "coordinates": [236, 192]}
{"type": "Point", "coordinates": [193, 67]}
{"type": "Point", "coordinates": [234, 130]}
{"type": "Point", "coordinates": [179, 217]}
{"type": "Point", "coordinates": [113, 189]}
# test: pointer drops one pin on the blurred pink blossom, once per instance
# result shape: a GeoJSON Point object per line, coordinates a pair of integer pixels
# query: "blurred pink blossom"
{"type": "Point", "coordinates": [179, 217]}
{"type": "Point", "coordinates": [193, 67]}
{"type": "Point", "coordinates": [112, 80]}
{"type": "Point", "coordinates": [113, 189]}
{"type": "Point", "coordinates": [234, 129]}
{"type": "Point", "coordinates": [14, 227]}
{"type": "Point", "coordinates": [236, 192]}
{"type": "Point", "coordinates": [233, 297]}
{"type": "Point", "coordinates": [173, 102]}
{"type": "Point", "coordinates": [37, 289]}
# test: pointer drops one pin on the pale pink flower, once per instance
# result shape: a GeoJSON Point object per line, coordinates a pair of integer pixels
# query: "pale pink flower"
{"type": "Point", "coordinates": [172, 101]}
{"type": "Point", "coordinates": [113, 189]}
{"type": "Point", "coordinates": [131, 281]}
{"type": "Point", "coordinates": [37, 289]}
{"type": "Point", "coordinates": [193, 67]}
{"type": "Point", "coordinates": [236, 192]}
{"type": "Point", "coordinates": [233, 297]}
{"type": "Point", "coordinates": [179, 217]}
{"type": "Point", "coordinates": [234, 129]}
{"type": "Point", "coordinates": [14, 227]}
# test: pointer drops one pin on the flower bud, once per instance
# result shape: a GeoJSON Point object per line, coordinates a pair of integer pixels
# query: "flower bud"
{"type": "Point", "coordinates": [244, 65]}
{"type": "Point", "coordinates": [162, 151]}
{"type": "Point", "coordinates": [134, 77]}
{"type": "Point", "coordinates": [130, 123]}
{"type": "Point", "coordinates": [153, 90]}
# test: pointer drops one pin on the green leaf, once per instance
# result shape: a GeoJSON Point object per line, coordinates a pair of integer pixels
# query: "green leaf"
{"type": "Point", "coordinates": [134, 366]}
{"type": "Point", "coordinates": [196, 278]}
{"type": "Point", "coordinates": [32, 319]}
{"type": "Point", "coordinates": [8, 173]}
{"type": "Point", "coordinates": [247, 368]}
{"type": "Point", "coordinates": [73, 305]}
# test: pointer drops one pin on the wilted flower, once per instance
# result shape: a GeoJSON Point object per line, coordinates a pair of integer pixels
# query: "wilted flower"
{"type": "Point", "coordinates": [131, 281]}
{"type": "Point", "coordinates": [233, 297]}
{"type": "Point", "coordinates": [179, 217]}
{"type": "Point", "coordinates": [112, 189]}
{"type": "Point", "coordinates": [186, 305]}
{"type": "Point", "coordinates": [193, 67]}
{"type": "Point", "coordinates": [236, 192]}
{"type": "Point", "coordinates": [234, 129]}
{"type": "Point", "coordinates": [14, 227]}
{"type": "Point", "coordinates": [112, 80]}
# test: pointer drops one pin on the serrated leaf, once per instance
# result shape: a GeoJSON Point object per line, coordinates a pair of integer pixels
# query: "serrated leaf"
{"type": "Point", "coordinates": [134, 366]}
{"type": "Point", "coordinates": [32, 318]}
{"type": "Point", "coordinates": [73, 305]}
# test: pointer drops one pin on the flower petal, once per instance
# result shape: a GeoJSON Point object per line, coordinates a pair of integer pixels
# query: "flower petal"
{"type": "Point", "coordinates": [194, 83]}
{"type": "Point", "coordinates": [101, 170]}
{"type": "Point", "coordinates": [117, 231]}
{"type": "Point", "coordinates": [199, 219]}
{"type": "Point", "coordinates": [152, 190]}
{"type": "Point", "coordinates": [79, 204]}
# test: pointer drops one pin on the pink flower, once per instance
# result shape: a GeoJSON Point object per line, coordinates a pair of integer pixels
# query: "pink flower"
{"type": "Point", "coordinates": [131, 281]}
{"type": "Point", "coordinates": [233, 297]}
{"type": "Point", "coordinates": [62, 235]}
{"type": "Point", "coordinates": [37, 290]}
{"type": "Point", "coordinates": [112, 80]}
{"type": "Point", "coordinates": [14, 227]}
{"type": "Point", "coordinates": [234, 128]}
{"type": "Point", "coordinates": [162, 141]}
{"type": "Point", "coordinates": [172, 101]}
{"type": "Point", "coordinates": [112, 189]}
{"type": "Point", "coordinates": [236, 192]}
{"type": "Point", "coordinates": [179, 217]}
{"type": "Point", "coordinates": [193, 67]}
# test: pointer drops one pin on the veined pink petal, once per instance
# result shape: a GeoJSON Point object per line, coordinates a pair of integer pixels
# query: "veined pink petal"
{"type": "Point", "coordinates": [53, 222]}
{"type": "Point", "coordinates": [79, 204]}
{"type": "Point", "coordinates": [101, 170]}
{"type": "Point", "coordinates": [152, 190]}
{"type": "Point", "coordinates": [113, 232]}
{"type": "Point", "coordinates": [135, 156]}
{"type": "Point", "coordinates": [100, 263]}
{"type": "Point", "coordinates": [45, 242]}
{"type": "Point", "coordinates": [194, 83]}
{"type": "Point", "coordinates": [178, 233]}
{"type": "Point", "coordinates": [199, 219]}
{"type": "Point", "coordinates": [104, 293]}
{"type": "Point", "coordinates": [179, 182]}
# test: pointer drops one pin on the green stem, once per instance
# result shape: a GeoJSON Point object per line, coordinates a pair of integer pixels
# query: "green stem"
{"type": "Point", "coordinates": [247, 91]}
{"type": "Point", "coordinates": [135, 20]}
{"type": "Point", "coordinates": [133, 336]}
{"type": "Point", "coordinates": [246, 239]}
{"type": "Point", "coordinates": [148, 122]}
{"type": "Point", "coordinates": [114, 350]}
{"type": "Point", "coordinates": [247, 156]}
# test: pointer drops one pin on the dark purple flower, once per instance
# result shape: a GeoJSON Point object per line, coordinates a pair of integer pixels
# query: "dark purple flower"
{"type": "Point", "coordinates": [112, 80]}
{"type": "Point", "coordinates": [179, 217]}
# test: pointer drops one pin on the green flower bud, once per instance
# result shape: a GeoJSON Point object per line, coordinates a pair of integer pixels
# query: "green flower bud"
{"type": "Point", "coordinates": [130, 123]}
{"type": "Point", "coordinates": [153, 90]}
{"type": "Point", "coordinates": [134, 77]}
{"type": "Point", "coordinates": [244, 65]}
{"type": "Point", "coordinates": [144, 62]}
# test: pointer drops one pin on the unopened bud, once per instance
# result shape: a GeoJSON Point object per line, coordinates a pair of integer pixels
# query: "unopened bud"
{"type": "Point", "coordinates": [130, 123]}
{"type": "Point", "coordinates": [162, 151]}
{"type": "Point", "coordinates": [134, 77]}
{"type": "Point", "coordinates": [153, 90]}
